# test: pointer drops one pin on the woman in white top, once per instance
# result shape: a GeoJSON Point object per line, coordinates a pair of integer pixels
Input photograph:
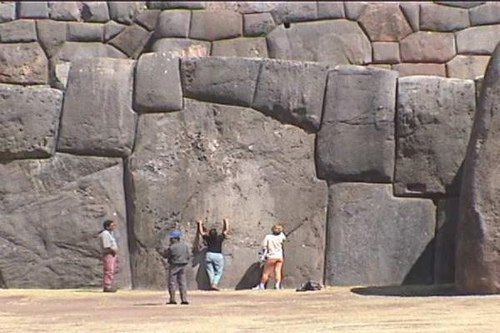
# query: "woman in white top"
{"type": "Point", "coordinates": [273, 247]}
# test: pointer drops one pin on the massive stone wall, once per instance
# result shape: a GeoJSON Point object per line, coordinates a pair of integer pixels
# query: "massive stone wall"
{"type": "Point", "coordinates": [160, 113]}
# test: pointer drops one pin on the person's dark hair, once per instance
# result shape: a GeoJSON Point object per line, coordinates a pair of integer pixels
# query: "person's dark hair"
{"type": "Point", "coordinates": [106, 224]}
{"type": "Point", "coordinates": [212, 233]}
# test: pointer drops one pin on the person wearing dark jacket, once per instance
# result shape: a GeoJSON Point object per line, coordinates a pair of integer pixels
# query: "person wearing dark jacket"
{"type": "Point", "coordinates": [178, 256]}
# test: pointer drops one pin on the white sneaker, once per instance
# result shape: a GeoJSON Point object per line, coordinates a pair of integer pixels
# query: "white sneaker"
{"type": "Point", "coordinates": [278, 286]}
{"type": "Point", "coordinates": [259, 287]}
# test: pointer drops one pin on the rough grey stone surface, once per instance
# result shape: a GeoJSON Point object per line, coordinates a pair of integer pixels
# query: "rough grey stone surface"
{"type": "Point", "coordinates": [461, 4]}
{"type": "Point", "coordinates": [258, 165]}
{"type": "Point", "coordinates": [408, 69]}
{"type": "Point", "coordinates": [157, 83]}
{"type": "Point", "coordinates": [411, 10]}
{"type": "Point", "coordinates": [71, 51]}
{"type": "Point", "coordinates": [212, 26]}
{"type": "Point", "coordinates": [292, 92]}
{"type": "Point", "coordinates": [85, 32]}
{"type": "Point", "coordinates": [221, 80]}
{"type": "Point", "coordinates": [180, 47]}
{"type": "Point", "coordinates": [446, 231]}
{"type": "Point", "coordinates": [354, 9]}
{"type": "Point", "coordinates": [384, 23]}
{"type": "Point", "coordinates": [173, 24]}
{"type": "Point", "coordinates": [7, 11]}
{"type": "Point", "coordinates": [434, 120]}
{"type": "Point", "coordinates": [241, 47]}
{"type": "Point", "coordinates": [289, 11]}
{"type": "Point", "coordinates": [467, 67]}
{"type": "Point", "coordinates": [148, 18]}
{"type": "Point", "coordinates": [32, 9]}
{"type": "Point", "coordinates": [376, 239]}
{"type": "Point", "coordinates": [489, 13]}
{"type": "Point", "coordinates": [132, 40]}
{"type": "Point", "coordinates": [18, 31]}
{"type": "Point", "coordinates": [95, 11]}
{"type": "Point", "coordinates": [259, 24]}
{"type": "Point", "coordinates": [65, 10]}
{"type": "Point", "coordinates": [386, 53]}
{"type": "Point", "coordinates": [356, 139]}
{"type": "Point", "coordinates": [332, 42]}
{"type": "Point", "coordinates": [29, 119]}
{"type": "Point", "coordinates": [23, 63]}
{"type": "Point", "coordinates": [422, 46]}
{"type": "Point", "coordinates": [51, 35]}
{"type": "Point", "coordinates": [478, 40]}
{"type": "Point", "coordinates": [252, 7]}
{"type": "Point", "coordinates": [111, 29]}
{"type": "Point", "coordinates": [478, 241]}
{"type": "Point", "coordinates": [52, 210]}
{"type": "Point", "coordinates": [442, 18]}
{"type": "Point", "coordinates": [125, 11]}
{"type": "Point", "coordinates": [176, 4]}
{"type": "Point", "coordinates": [97, 114]}
{"type": "Point", "coordinates": [330, 10]}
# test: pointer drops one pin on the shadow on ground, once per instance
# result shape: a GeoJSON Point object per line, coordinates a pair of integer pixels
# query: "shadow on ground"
{"type": "Point", "coordinates": [409, 291]}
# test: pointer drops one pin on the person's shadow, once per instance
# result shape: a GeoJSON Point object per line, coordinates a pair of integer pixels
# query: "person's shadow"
{"type": "Point", "coordinates": [251, 278]}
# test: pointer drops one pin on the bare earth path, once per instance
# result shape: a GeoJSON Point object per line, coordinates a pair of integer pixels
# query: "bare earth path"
{"type": "Point", "coordinates": [284, 311]}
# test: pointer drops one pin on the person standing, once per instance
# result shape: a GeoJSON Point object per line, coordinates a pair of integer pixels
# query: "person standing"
{"type": "Point", "coordinates": [214, 259]}
{"type": "Point", "coordinates": [272, 246]}
{"type": "Point", "coordinates": [109, 255]}
{"type": "Point", "coordinates": [177, 255]}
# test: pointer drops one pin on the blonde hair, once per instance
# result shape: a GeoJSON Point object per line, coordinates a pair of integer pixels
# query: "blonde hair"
{"type": "Point", "coordinates": [277, 228]}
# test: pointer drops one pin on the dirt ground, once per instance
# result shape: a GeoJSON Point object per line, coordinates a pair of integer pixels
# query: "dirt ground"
{"type": "Point", "coordinates": [397, 309]}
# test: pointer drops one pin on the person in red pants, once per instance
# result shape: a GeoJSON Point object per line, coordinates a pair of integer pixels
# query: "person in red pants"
{"type": "Point", "coordinates": [272, 246]}
{"type": "Point", "coordinates": [109, 255]}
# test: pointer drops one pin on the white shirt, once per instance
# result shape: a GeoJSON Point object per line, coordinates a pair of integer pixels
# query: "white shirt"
{"type": "Point", "coordinates": [108, 240]}
{"type": "Point", "coordinates": [274, 245]}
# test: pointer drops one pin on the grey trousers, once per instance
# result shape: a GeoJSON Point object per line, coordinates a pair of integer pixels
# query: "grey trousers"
{"type": "Point", "coordinates": [177, 273]}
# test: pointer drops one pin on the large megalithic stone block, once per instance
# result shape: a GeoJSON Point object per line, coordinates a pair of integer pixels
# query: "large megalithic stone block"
{"type": "Point", "coordinates": [376, 239]}
{"type": "Point", "coordinates": [157, 83]}
{"type": "Point", "coordinates": [478, 233]}
{"type": "Point", "coordinates": [23, 63]}
{"type": "Point", "coordinates": [52, 211]}
{"type": "Point", "coordinates": [213, 161]}
{"type": "Point", "coordinates": [223, 80]}
{"type": "Point", "coordinates": [433, 125]}
{"type": "Point", "coordinates": [356, 139]}
{"type": "Point", "coordinates": [292, 92]}
{"type": "Point", "coordinates": [29, 121]}
{"type": "Point", "coordinates": [97, 114]}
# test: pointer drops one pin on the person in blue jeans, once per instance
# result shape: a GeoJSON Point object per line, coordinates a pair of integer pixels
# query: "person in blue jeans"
{"type": "Point", "coordinates": [214, 258]}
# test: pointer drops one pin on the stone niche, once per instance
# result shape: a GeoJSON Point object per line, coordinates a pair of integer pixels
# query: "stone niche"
{"type": "Point", "coordinates": [212, 161]}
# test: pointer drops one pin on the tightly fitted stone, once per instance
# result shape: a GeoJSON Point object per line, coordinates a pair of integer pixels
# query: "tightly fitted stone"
{"type": "Point", "coordinates": [185, 162]}
{"type": "Point", "coordinates": [375, 239]}
{"type": "Point", "coordinates": [240, 47]}
{"type": "Point", "coordinates": [206, 25]}
{"type": "Point", "coordinates": [384, 22]}
{"type": "Point", "coordinates": [434, 120]}
{"type": "Point", "coordinates": [221, 80]}
{"type": "Point", "coordinates": [356, 139]}
{"type": "Point", "coordinates": [157, 83]}
{"type": "Point", "coordinates": [132, 40]}
{"type": "Point", "coordinates": [181, 47]}
{"type": "Point", "coordinates": [292, 92]}
{"type": "Point", "coordinates": [478, 241]}
{"type": "Point", "coordinates": [52, 210]}
{"type": "Point", "coordinates": [23, 63]}
{"type": "Point", "coordinates": [29, 120]}
{"type": "Point", "coordinates": [97, 114]}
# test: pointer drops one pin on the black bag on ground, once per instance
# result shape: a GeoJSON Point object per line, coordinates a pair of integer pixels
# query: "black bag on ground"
{"type": "Point", "coordinates": [310, 286]}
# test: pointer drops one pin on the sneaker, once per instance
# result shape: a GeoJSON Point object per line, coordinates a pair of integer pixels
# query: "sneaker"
{"type": "Point", "coordinates": [171, 302]}
{"type": "Point", "coordinates": [259, 287]}
{"type": "Point", "coordinates": [214, 287]}
{"type": "Point", "coordinates": [184, 302]}
{"type": "Point", "coordinates": [109, 290]}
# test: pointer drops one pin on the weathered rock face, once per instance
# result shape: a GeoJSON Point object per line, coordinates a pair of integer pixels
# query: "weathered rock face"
{"type": "Point", "coordinates": [434, 119]}
{"type": "Point", "coordinates": [23, 63]}
{"type": "Point", "coordinates": [333, 42]}
{"type": "Point", "coordinates": [445, 240]}
{"type": "Point", "coordinates": [29, 120]}
{"type": "Point", "coordinates": [478, 241]}
{"type": "Point", "coordinates": [177, 47]}
{"type": "Point", "coordinates": [356, 139]}
{"type": "Point", "coordinates": [374, 238]}
{"type": "Point", "coordinates": [52, 211]}
{"type": "Point", "coordinates": [97, 114]}
{"type": "Point", "coordinates": [185, 162]}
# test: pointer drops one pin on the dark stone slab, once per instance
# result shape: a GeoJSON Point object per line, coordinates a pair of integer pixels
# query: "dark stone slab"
{"type": "Point", "coordinates": [132, 40]}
